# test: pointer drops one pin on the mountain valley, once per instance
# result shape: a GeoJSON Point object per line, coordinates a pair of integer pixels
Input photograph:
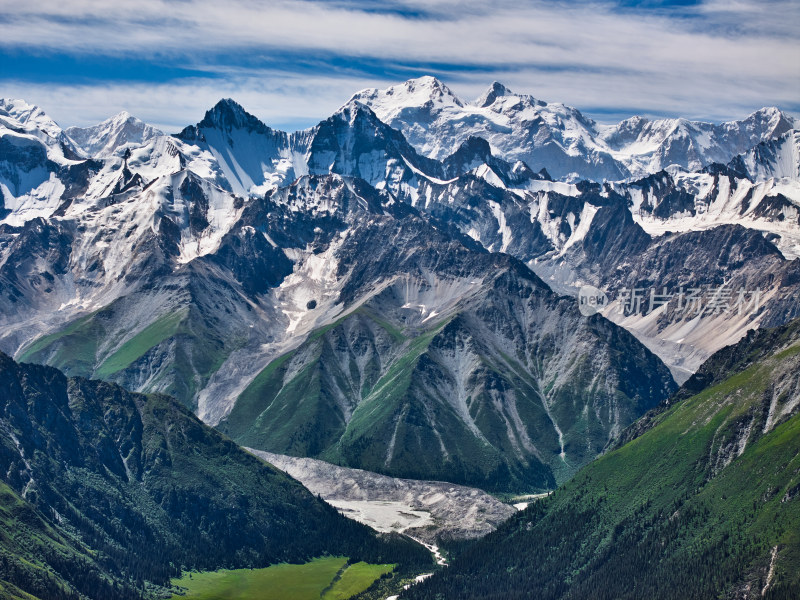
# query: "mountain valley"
{"type": "Point", "coordinates": [390, 306]}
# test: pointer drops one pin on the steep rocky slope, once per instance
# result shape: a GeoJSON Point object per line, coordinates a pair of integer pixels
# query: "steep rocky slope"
{"type": "Point", "coordinates": [447, 363]}
{"type": "Point", "coordinates": [704, 501]}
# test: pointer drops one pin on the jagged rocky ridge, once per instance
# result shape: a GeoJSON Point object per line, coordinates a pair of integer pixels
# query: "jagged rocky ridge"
{"type": "Point", "coordinates": [185, 329]}
{"type": "Point", "coordinates": [560, 138]}
{"type": "Point", "coordinates": [188, 264]}
{"type": "Point", "coordinates": [673, 229]}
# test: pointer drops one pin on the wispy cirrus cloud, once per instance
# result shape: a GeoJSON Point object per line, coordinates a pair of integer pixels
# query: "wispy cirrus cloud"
{"type": "Point", "coordinates": [292, 61]}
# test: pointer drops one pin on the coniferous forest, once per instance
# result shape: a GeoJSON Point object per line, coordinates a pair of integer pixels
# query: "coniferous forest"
{"type": "Point", "coordinates": [124, 491]}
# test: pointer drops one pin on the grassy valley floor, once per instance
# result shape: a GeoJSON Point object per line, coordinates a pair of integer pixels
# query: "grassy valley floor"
{"type": "Point", "coordinates": [329, 578]}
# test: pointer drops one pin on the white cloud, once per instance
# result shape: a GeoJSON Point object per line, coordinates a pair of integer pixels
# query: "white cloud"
{"type": "Point", "coordinates": [724, 61]}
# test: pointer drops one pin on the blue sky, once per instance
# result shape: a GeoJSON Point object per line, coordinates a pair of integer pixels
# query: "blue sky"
{"type": "Point", "coordinates": [292, 63]}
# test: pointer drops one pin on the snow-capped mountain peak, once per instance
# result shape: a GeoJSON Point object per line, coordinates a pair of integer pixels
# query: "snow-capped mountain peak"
{"type": "Point", "coordinates": [228, 114]}
{"type": "Point", "coordinates": [18, 115]}
{"type": "Point", "coordinates": [104, 139]}
{"type": "Point", "coordinates": [517, 126]}
{"type": "Point", "coordinates": [499, 99]}
{"type": "Point", "coordinates": [122, 115]}
{"type": "Point", "coordinates": [33, 148]}
{"type": "Point", "coordinates": [495, 91]}
{"type": "Point", "coordinates": [423, 94]}
{"type": "Point", "coordinates": [778, 159]}
{"type": "Point", "coordinates": [558, 137]}
{"type": "Point", "coordinates": [353, 111]}
{"type": "Point", "coordinates": [431, 88]}
{"type": "Point", "coordinates": [252, 156]}
{"type": "Point", "coordinates": [649, 145]}
{"type": "Point", "coordinates": [769, 119]}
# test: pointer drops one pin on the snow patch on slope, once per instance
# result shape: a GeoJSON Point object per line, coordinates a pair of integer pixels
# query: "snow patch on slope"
{"type": "Point", "coordinates": [731, 202]}
{"type": "Point", "coordinates": [503, 229]}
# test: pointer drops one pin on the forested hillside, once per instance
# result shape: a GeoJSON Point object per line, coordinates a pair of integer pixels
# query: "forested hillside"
{"type": "Point", "coordinates": [107, 493]}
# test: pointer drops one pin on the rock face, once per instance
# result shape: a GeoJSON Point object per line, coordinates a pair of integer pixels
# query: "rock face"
{"type": "Point", "coordinates": [427, 510]}
{"type": "Point", "coordinates": [672, 230]}
{"type": "Point", "coordinates": [337, 293]}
